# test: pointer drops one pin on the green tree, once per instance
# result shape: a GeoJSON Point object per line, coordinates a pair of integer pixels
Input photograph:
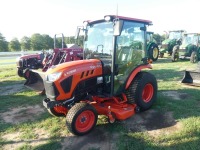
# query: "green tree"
{"type": "Point", "coordinates": [59, 42]}
{"type": "Point", "coordinates": [71, 40]}
{"type": "Point", "coordinates": [14, 45]}
{"type": "Point", "coordinates": [37, 42]}
{"type": "Point", "coordinates": [47, 42]}
{"type": "Point", "coordinates": [3, 44]}
{"type": "Point", "coordinates": [25, 43]}
{"type": "Point", "coordinates": [158, 38]}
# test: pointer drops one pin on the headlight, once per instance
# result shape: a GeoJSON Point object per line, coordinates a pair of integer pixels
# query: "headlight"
{"type": "Point", "coordinates": [17, 59]}
{"type": "Point", "coordinates": [54, 76]}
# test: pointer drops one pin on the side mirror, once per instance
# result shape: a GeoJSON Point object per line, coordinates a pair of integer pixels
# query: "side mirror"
{"type": "Point", "coordinates": [77, 33]}
{"type": "Point", "coordinates": [118, 24]}
{"type": "Point", "coordinates": [143, 28]}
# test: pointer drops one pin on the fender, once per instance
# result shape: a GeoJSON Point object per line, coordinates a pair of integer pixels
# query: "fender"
{"type": "Point", "coordinates": [149, 45]}
{"type": "Point", "coordinates": [134, 73]}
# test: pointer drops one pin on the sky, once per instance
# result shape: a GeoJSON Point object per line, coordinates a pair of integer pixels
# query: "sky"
{"type": "Point", "coordinates": [20, 18]}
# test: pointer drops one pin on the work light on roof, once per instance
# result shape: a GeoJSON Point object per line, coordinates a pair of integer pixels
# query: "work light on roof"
{"type": "Point", "coordinates": [107, 18]}
{"type": "Point", "coordinates": [85, 23]}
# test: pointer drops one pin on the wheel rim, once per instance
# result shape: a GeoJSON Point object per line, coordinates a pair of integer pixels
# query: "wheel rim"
{"type": "Point", "coordinates": [147, 93]}
{"type": "Point", "coordinates": [195, 58]}
{"type": "Point", "coordinates": [155, 52]}
{"type": "Point", "coordinates": [85, 121]}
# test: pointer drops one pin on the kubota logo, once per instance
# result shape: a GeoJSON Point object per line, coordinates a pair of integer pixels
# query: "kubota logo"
{"type": "Point", "coordinates": [71, 71]}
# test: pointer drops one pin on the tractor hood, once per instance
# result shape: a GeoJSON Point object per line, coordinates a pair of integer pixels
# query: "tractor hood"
{"type": "Point", "coordinates": [167, 41]}
{"type": "Point", "coordinates": [74, 67]}
{"type": "Point", "coordinates": [183, 46]}
{"type": "Point", "coordinates": [30, 56]}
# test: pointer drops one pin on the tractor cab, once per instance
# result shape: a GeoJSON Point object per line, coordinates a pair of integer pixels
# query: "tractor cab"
{"type": "Point", "coordinates": [150, 36]}
{"type": "Point", "coordinates": [120, 53]}
{"type": "Point", "coordinates": [189, 49]}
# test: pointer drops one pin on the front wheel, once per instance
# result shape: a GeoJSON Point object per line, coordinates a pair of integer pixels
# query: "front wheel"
{"type": "Point", "coordinates": [20, 72]}
{"type": "Point", "coordinates": [143, 90]}
{"type": "Point", "coordinates": [81, 118]}
{"type": "Point", "coordinates": [175, 56]}
{"type": "Point", "coordinates": [161, 55]}
{"type": "Point", "coordinates": [193, 57]}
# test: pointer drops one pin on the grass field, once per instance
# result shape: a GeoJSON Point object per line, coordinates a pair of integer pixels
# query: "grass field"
{"type": "Point", "coordinates": [173, 123]}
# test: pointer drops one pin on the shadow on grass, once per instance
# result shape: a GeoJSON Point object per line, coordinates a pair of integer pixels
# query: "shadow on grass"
{"type": "Point", "coordinates": [50, 144]}
{"type": "Point", "coordinates": [130, 142]}
{"type": "Point", "coordinates": [167, 74]}
{"type": "Point", "coordinates": [183, 103]}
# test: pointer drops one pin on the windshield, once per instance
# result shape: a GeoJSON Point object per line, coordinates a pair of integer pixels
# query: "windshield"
{"type": "Point", "coordinates": [99, 41]}
{"type": "Point", "coordinates": [149, 37]}
{"type": "Point", "coordinates": [175, 35]}
{"type": "Point", "coordinates": [190, 39]}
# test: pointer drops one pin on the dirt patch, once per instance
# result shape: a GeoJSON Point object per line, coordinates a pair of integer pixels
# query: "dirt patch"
{"type": "Point", "coordinates": [11, 89]}
{"type": "Point", "coordinates": [98, 139]}
{"type": "Point", "coordinates": [14, 141]}
{"type": "Point", "coordinates": [175, 95]}
{"type": "Point", "coordinates": [154, 122]}
{"type": "Point", "coordinates": [22, 114]}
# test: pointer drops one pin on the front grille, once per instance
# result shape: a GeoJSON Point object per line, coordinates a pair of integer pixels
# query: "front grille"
{"type": "Point", "coordinates": [165, 46]}
{"type": "Point", "coordinates": [66, 84]}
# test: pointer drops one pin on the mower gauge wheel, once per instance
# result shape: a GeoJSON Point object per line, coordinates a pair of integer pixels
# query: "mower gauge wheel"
{"type": "Point", "coordinates": [81, 118]}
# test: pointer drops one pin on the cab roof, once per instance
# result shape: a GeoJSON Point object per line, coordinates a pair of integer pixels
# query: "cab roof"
{"type": "Point", "coordinates": [147, 22]}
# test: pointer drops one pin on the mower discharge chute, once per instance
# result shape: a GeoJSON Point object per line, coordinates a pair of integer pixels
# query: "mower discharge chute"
{"type": "Point", "coordinates": [108, 81]}
{"type": "Point", "coordinates": [70, 52]}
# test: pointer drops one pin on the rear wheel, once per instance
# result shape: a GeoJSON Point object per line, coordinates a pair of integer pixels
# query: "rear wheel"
{"type": "Point", "coordinates": [81, 118]}
{"type": "Point", "coordinates": [143, 90]}
{"type": "Point", "coordinates": [153, 52]}
{"type": "Point", "coordinates": [193, 57]}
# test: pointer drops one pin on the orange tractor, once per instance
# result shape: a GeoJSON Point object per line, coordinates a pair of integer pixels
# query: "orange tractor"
{"type": "Point", "coordinates": [108, 81]}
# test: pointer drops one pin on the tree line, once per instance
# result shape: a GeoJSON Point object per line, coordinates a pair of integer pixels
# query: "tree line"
{"type": "Point", "coordinates": [43, 42]}
{"type": "Point", "coordinates": [35, 42]}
